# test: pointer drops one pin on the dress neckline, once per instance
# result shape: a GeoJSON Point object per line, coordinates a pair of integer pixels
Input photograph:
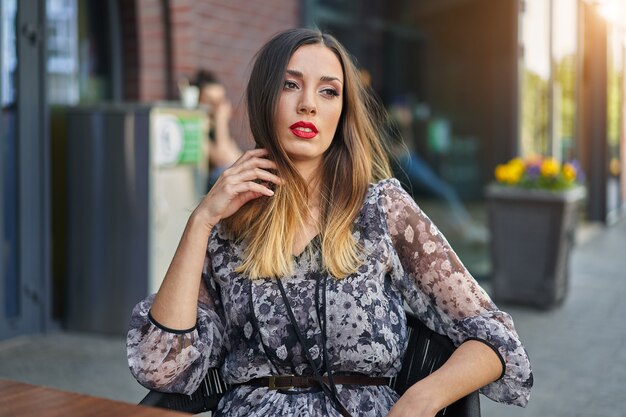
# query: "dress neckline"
{"type": "Point", "coordinates": [313, 240]}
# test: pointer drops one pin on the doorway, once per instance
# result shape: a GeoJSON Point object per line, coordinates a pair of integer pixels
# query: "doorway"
{"type": "Point", "coordinates": [24, 193]}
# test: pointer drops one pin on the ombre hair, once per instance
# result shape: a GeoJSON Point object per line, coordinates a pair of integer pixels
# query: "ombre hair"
{"type": "Point", "coordinates": [355, 158]}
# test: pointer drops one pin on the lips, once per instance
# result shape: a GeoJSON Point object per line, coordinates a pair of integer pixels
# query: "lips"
{"type": "Point", "coordinates": [304, 130]}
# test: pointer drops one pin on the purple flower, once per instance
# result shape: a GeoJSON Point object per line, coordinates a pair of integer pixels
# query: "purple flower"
{"type": "Point", "coordinates": [532, 172]}
{"type": "Point", "coordinates": [580, 174]}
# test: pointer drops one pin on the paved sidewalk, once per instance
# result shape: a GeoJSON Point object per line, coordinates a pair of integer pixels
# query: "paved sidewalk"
{"type": "Point", "coordinates": [85, 363]}
{"type": "Point", "coordinates": [578, 350]}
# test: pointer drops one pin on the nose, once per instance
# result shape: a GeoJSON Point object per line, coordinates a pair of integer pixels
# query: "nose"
{"type": "Point", "coordinates": [307, 104]}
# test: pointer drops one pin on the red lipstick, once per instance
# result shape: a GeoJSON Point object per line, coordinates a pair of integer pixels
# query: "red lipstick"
{"type": "Point", "coordinates": [304, 130]}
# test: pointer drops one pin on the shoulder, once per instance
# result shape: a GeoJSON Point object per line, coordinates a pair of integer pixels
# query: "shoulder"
{"type": "Point", "coordinates": [385, 186]}
{"type": "Point", "coordinates": [220, 240]}
{"type": "Point", "coordinates": [386, 200]}
{"type": "Point", "coordinates": [387, 192]}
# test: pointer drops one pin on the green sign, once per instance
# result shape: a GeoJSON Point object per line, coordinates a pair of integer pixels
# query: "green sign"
{"type": "Point", "coordinates": [192, 139]}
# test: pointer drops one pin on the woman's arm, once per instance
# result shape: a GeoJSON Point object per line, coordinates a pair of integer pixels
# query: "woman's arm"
{"type": "Point", "coordinates": [175, 305]}
{"type": "Point", "coordinates": [447, 299]}
{"type": "Point", "coordinates": [472, 366]}
{"type": "Point", "coordinates": [177, 334]}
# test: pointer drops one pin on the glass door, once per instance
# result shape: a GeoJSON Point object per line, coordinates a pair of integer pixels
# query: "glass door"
{"type": "Point", "coordinates": [23, 164]}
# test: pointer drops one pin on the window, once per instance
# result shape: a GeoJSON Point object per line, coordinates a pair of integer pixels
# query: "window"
{"type": "Point", "coordinates": [62, 51]}
{"type": "Point", "coordinates": [548, 78]}
{"type": "Point", "coordinates": [564, 78]}
{"type": "Point", "coordinates": [535, 77]}
{"type": "Point", "coordinates": [80, 58]}
{"type": "Point", "coordinates": [9, 56]}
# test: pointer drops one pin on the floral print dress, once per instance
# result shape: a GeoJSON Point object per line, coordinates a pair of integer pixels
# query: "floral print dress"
{"type": "Point", "coordinates": [243, 326]}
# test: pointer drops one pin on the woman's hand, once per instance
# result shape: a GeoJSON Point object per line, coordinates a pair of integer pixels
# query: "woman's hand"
{"type": "Point", "coordinates": [223, 150]}
{"type": "Point", "coordinates": [472, 366]}
{"type": "Point", "coordinates": [245, 180]}
{"type": "Point", "coordinates": [176, 303]}
{"type": "Point", "coordinates": [413, 404]}
{"type": "Point", "coordinates": [223, 111]}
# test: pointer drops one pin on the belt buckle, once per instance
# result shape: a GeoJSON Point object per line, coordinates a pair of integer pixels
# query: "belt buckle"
{"type": "Point", "coordinates": [271, 383]}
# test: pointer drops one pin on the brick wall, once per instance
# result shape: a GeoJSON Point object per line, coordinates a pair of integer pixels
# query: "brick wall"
{"type": "Point", "coordinates": [220, 35]}
{"type": "Point", "coordinates": [151, 50]}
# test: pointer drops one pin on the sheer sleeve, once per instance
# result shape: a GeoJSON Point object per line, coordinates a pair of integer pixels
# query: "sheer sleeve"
{"type": "Point", "coordinates": [172, 360]}
{"type": "Point", "coordinates": [440, 290]}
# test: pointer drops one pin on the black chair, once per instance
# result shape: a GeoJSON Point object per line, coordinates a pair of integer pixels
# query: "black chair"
{"type": "Point", "coordinates": [426, 352]}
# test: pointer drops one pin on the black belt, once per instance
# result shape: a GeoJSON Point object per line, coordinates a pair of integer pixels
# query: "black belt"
{"type": "Point", "coordinates": [294, 381]}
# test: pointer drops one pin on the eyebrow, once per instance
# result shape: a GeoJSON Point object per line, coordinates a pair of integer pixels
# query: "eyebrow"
{"type": "Point", "coordinates": [325, 78]}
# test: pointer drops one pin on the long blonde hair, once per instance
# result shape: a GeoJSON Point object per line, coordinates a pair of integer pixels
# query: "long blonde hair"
{"type": "Point", "coordinates": [354, 159]}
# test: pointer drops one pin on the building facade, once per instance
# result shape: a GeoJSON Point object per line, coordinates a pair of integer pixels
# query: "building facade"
{"type": "Point", "coordinates": [483, 81]}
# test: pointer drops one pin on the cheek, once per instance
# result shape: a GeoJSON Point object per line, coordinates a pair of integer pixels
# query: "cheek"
{"type": "Point", "coordinates": [336, 115]}
{"type": "Point", "coordinates": [285, 104]}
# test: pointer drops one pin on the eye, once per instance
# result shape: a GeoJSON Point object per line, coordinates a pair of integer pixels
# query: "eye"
{"type": "Point", "coordinates": [290, 85]}
{"type": "Point", "coordinates": [330, 92]}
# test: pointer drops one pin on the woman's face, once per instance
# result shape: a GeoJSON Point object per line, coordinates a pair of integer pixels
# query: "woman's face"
{"type": "Point", "coordinates": [309, 106]}
{"type": "Point", "coordinates": [213, 94]}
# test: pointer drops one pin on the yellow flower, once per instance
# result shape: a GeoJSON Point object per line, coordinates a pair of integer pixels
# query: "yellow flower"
{"type": "Point", "coordinates": [501, 173]}
{"type": "Point", "coordinates": [509, 173]}
{"type": "Point", "coordinates": [569, 172]}
{"type": "Point", "coordinates": [516, 170]}
{"type": "Point", "coordinates": [614, 167]}
{"type": "Point", "coordinates": [539, 172]}
{"type": "Point", "coordinates": [550, 167]}
{"type": "Point", "coordinates": [517, 163]}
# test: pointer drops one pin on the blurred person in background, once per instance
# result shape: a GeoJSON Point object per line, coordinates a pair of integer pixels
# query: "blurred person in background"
{"type": "Point", "coordinates": [223, 150]}
{"type": "Point", "coordinates": [299, 261]}
{"type": "Point", "coordinates": [421, 176]}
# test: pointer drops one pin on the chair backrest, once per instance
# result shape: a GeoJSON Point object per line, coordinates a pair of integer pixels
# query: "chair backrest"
{"type": "Point", "coordinates": [205, 398]}
{"type": "Point", "coordinates": [425, 353]}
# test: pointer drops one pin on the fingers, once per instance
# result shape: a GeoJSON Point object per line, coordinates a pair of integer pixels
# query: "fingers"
{"type": "Point", "coordinates": [253, 160]}
{"type": "Point", "coordinates": [250, 174]}
{"type": "Point", "coordinates": [253, 153]}
{"type": "Point", "coordinates": [248, 186]}
{"type": "Point", "coordinates": [253, 163]}
{"type": "Point", "coordinates": [257, 174]}
{"type": "Point", "coordinates": [247, 179]}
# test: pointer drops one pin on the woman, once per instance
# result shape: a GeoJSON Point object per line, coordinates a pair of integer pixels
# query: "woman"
{"type": "Point", "coordinates": [311, 243]}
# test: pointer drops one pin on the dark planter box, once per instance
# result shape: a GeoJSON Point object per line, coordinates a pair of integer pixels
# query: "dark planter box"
{"type": "Point", "coordinates": [532, 234]}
